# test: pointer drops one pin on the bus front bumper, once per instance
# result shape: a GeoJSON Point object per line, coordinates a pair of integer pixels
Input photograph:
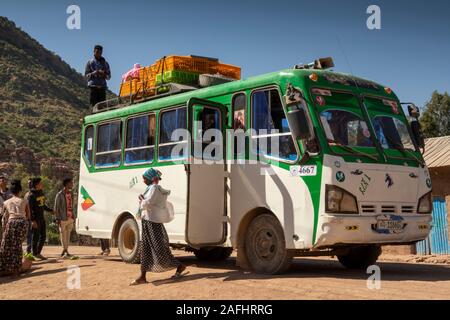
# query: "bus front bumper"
{"type": "Point", "coordinates": [343, 229]}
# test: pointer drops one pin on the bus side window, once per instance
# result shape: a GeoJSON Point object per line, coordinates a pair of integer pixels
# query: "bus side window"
{"type": "Point", "coordinates": [272, 135]}
{"type": "Point", "coordinates": [109, 145]}
{"type": "Point", "coordinates": [239, 105]}
{"type": "Point", "coordinates": [88, 144]}
{"type": "Point", "coordinates": [209, 135]}
{"type": "Point", "coordinates": [169, 122]}
{"type": "Point", "coordinates": [140, 141]}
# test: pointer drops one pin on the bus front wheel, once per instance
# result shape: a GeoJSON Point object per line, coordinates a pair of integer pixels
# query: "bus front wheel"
{"type": "Point", "coordinates": [213, 254]}
{"type": "Point", "coordinates": [128, 244]}
{"type": "Point", "coordinates": [360, 257]}
{"type": "Point", "coordinates": [265, 246]}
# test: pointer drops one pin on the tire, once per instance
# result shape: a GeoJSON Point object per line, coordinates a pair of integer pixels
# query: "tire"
{"type": "Point", "coordinates": [265, 246]}
{"type": "Point", "coordinates": [360, 257]}
{"type": "Point", "coordinates": [129, 244]}
{"type": "Point", "coordinates": [213, 254]}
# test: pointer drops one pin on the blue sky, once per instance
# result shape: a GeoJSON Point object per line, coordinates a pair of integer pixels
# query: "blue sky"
{"type": "Point", "coordinates": [411, 53]}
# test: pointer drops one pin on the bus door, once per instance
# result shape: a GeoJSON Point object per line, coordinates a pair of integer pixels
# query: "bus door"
{"type": "Point", "coordinates": [206, 219]}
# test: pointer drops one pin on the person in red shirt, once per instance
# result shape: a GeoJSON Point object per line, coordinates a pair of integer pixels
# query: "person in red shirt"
{"type": "Point", "coordinates": [65, 215]}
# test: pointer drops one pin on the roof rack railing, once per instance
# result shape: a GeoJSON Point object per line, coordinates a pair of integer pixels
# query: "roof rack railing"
{"type": "Point", "coordinates": [160, 91]}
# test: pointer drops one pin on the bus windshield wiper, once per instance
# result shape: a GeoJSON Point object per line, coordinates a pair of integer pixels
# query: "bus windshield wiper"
{"type": "Point", "coordinates": [349, 149]}
{"type": "Point", "coordinates": [399, 146]}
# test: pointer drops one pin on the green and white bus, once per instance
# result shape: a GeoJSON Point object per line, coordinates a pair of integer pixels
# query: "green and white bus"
{"type": "Point", "coordinates": [347, 178]}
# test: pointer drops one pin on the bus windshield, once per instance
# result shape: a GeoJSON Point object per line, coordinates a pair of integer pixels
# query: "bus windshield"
{"type": "Point", "coordinates": [345, 128]}
{"type": "Point", "coordinates": [389, 124]}
{"type": "Point", "coordinates": [343, 122]}
{"type": "Point", "coordinates": [392, 133]}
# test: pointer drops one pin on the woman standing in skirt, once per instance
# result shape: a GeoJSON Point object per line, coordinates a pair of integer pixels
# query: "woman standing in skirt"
{"type": "Point", "coordinates": [155, 251]}
{"type": "Point", "coordinates": [16, 215]}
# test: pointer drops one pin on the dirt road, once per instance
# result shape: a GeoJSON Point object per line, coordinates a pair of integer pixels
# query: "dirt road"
{"type": "Point", "coordinates": [310, 278]}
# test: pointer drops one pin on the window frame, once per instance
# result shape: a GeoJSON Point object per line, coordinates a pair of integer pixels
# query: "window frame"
{"type": "Point", "coordinates": [120, 121]}
{"type": "Point", "coordinates": [233, 97]}
{"type": "Point", "coordinates": [401, 116]}
{"type": "Point", "coordinates": [268, 88]}
{"type": "Point", "coordinates": [246, 142]}
{"type": "Point", "coordinates": [124, 143]}
{"type": "Point", "coordinates": [222, 125]}
{"type": "Point", "coordinates": [161, 112]}
{"type": "Point", "coordinates": [364, 113]}
{"type": "Point", "coordinates": [89, 164]}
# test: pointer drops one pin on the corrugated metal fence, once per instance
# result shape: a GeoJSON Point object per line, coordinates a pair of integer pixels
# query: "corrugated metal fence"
{"type": "Point", "coordinates": [437, 242]}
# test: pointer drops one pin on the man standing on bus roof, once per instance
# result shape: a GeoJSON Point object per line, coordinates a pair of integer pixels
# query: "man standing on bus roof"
{"type": "Point", "coordinates": [97, 73]}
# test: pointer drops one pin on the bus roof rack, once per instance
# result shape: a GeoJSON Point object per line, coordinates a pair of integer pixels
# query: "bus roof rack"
{"type": "Point", "coordinates": [319, 64]}
{"type": "Point", "coordinates": [157, 92]}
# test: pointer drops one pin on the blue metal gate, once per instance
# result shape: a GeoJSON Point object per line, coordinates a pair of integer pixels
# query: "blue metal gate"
{"type": "Point", "coordinates": [437, 242]}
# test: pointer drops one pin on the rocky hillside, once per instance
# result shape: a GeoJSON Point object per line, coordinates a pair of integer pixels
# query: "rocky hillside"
{"type": "Point", "coordinates": [42, 102]}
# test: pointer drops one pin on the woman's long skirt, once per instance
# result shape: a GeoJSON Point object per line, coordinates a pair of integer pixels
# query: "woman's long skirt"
{"type": "Point", "coordinates": [155, 251]}
{"type": "Point", "coordinates": [11, 253]}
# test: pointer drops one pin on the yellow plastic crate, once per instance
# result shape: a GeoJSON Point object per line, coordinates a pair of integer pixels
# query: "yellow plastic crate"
{"type": "Point", "coordinates": [136, 87]}
{"type": "Point", "coordinates": [128, 88]}
{"type": "Point", "coordinates": [184, 63]}
{"type": "Point", "coordinates": [227, 70]}
{"type": "Point", "coordinates": [196, 65]}
{"type": "Point", "coordinates": [193, 65]}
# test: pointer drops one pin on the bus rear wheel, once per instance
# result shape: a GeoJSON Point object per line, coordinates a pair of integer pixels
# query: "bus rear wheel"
{"type": "Point", "coordinates": [360, 257]}
{"type": "Point", "coordinates": [265, 246]}
{"type": "Point", "coordinates": [213, 254]}
{"type": "Point", "coordinates": [128, 244]}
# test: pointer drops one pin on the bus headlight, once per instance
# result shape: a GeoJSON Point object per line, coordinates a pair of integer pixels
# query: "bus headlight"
{"type": "Point", "coordinates": [337, 200]}
{"type": "Point", "coordinates": [425, 205]}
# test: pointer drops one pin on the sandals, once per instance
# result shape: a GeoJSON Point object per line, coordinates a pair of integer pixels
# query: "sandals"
{"type": "Point", "coordinates": [138, 282]}
{"type": "Point", "coordinates": [180, 273]}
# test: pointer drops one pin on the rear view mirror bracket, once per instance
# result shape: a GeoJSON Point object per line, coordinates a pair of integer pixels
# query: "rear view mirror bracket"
{"type": "Point", "coordinates": [295, 113]}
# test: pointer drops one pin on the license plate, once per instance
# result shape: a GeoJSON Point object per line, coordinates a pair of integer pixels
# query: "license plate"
{"type": "Point", "coordinates": [303, 171]}
{"type": "Point", "coordinates": [389, 224]}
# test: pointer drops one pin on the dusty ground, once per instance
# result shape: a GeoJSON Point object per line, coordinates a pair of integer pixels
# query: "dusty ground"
{"type": "Point", "coordinates": [309, 278]}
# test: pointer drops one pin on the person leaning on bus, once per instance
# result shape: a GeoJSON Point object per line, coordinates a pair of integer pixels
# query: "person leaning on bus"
{"type": "Point", "coordinates": [154, 212]}
{"type": "Point", "coordinates": [97, 73]}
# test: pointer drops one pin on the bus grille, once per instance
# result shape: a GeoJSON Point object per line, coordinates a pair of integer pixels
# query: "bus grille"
{"type": "Point", "coordinates": [387, 209]}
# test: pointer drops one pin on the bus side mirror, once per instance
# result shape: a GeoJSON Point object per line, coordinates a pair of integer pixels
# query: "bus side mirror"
{"type": "Point", "coordinates": [417, 133]}
{"type": "Point", "coordinates": [413, 111]}
{"type": "Point", "coordinates": [299, 123]}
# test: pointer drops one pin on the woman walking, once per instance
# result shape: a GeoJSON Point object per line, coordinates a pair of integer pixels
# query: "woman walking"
{"type": "Point", "coordinates": [155, 251]}
{"type": "Point", "coordinates": [16, 215]}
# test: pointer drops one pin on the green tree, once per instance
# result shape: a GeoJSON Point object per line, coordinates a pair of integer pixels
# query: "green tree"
{"type": "Point", "coordinates": [435, 120]}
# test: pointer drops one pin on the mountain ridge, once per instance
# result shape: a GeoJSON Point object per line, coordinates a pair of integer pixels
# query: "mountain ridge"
{"type": "Point", "coordinates": [42, 103]}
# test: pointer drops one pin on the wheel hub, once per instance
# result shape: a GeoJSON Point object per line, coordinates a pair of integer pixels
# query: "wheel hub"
{"type": "Point", "coordinates": [265, 244]}
{"type": "Point", "coordinates": [129, 240]}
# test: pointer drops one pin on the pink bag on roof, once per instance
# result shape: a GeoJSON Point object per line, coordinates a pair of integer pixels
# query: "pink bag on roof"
{"type": "Point", "coordinates": [132, 74]}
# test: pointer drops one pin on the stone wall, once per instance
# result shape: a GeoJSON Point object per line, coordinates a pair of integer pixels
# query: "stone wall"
{"type": "Point", "coordinates": [35, 165]}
